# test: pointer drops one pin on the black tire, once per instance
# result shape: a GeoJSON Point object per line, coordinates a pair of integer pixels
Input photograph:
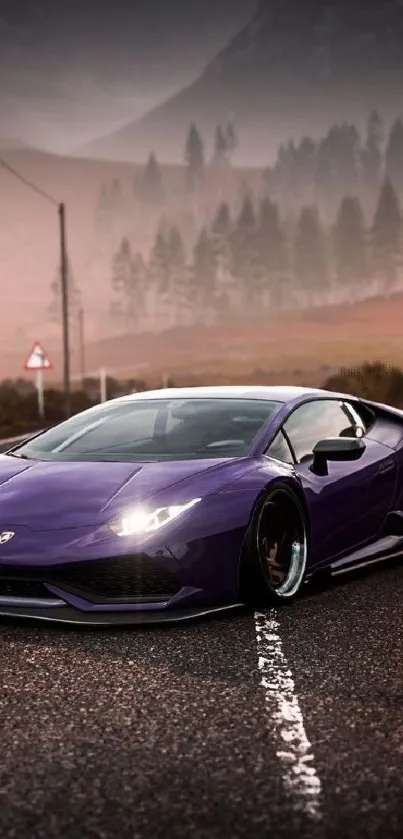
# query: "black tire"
{"type": "Point", "coordinates": [274, 559]}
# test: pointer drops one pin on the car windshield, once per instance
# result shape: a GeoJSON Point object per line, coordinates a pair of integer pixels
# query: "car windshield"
{"type": "Point", "coordinates": [155, 430]}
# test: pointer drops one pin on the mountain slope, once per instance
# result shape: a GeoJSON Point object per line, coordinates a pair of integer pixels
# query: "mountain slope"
{"type": "Point", "coordinates": [71, 71]}
{"type": "Point", "coordinates": [293, 69]}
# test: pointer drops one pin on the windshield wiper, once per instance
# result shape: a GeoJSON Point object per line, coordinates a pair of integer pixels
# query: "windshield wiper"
{"type": "Point", "coordinates": [20, 456]}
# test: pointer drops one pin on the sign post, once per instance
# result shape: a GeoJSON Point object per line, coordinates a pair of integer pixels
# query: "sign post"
{"type": "Point", "coordinates": [39, 390]}
{"type": "Point", "coordinates": [103, 384]}
{"type": "Point", "coordinates": [38, 361]}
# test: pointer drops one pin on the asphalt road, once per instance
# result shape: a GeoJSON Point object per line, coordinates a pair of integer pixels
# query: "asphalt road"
{"type": "Point", "coordinates": [169, 732]}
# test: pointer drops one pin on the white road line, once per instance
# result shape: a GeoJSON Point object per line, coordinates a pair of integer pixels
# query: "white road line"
{"type": "Point", "coordinates": [293, 750]}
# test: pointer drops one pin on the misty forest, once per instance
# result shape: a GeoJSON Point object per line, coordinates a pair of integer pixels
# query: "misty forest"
{"type": "Point", "coordinates": [321, 226]}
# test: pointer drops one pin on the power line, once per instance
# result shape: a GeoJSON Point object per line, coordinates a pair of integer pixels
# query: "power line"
{"type": "Point", "coordinates": [63, 274]}
{"type": "Point", "coordinates": [28, 183]}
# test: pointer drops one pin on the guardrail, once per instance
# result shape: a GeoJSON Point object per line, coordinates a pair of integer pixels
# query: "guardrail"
{"type": "Point", "coordinates": [8, 442]}
{"type": "Point", "coordinates": [19, 437]}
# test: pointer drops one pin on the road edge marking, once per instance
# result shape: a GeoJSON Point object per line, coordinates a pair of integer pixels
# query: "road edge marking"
{"type": "Point", "coordinates": [294, 749]}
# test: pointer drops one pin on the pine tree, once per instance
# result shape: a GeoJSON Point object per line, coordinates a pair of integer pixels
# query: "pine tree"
{"type": "Point", "coordinates": [128, 285]}
{"type": "Point", "coordinates": [386, 237]}
{"type": "Point", "coordinates": [292, 178]}
{"type": "Point", "coordinates": [194, 157]}
{"type": "Point", "coordinates": [102, 209]}
{"type": "Point", "coordinates": [115, 198]}
{"type": "Point", "coordinates": [349, 244]}
{"type": "Point", "coordinates": [136, 290]}
{"type": "Point", "coordinates": [221, 164]}
{"type": "Point", "coordinates": [349, 153]}
{"type": "Point", "coordinates": [159, 259]}
{"type": "Point", "coordinates": [394, 155]}
{"type": "Point", "coordinates": [310, 257]}
{"type": "Point", "coordinates": [220, 147]}
{"type": "Point", "coordinates": [231, 141]}
{"type": "Point", "coordinates": [204, 277]}
{"type": "Point", "coordinates": [269, 184]}
{"type": "Point", "coordinates": [179, 285]}
{"type": "Point", "coordinates": [337, 165]}
{"type": "Point", "coordinates": [221, 225]}
{"type": "Point", "coordinates": [304, 170]}
{"type": "Point", "coordinates": [246, 267]}
{"type": "Point", "coordinates": [284, 173]}
{"type": "Point", "coordinates": [110, 209]}
{"type": "Point", "coordinates": [220, 236]}
{"type": "Point", "coordinates": [121, 266]}
{"type": "Point", "coordinates": [273, 252]}
{"type": "Point", "coordinates": [159, 275]}
{"type": "Point", "coordinates": [371, 155]}
{"type": "Point", "coordinates": [376, 128]}
{"type": "Point", "coordinates": [149, 187]}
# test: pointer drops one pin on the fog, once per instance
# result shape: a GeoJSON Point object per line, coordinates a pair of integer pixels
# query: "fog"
{"type": "Point", "coordinates": [230, 215]}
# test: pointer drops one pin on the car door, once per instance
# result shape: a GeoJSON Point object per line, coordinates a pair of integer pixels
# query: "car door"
{"type": "Point", "coordinates": [348, 506]}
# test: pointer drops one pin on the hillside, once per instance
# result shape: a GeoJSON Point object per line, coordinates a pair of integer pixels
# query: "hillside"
{"type": "Point", "coordinates": [298, 347]}
{"type": "Point", "coordinates": [294, 68]}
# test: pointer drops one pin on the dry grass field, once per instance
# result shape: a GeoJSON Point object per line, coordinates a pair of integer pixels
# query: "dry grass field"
{"type": "Point", "coordinates": [302, 347]}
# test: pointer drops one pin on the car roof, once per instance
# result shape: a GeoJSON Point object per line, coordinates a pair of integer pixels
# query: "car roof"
{"type": "Point", "coordinates": [278, 393]}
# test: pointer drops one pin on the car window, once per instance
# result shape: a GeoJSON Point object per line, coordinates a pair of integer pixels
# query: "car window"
{"type": "Point", "coordinates": [357, 419]}
{"type": "Point", "coordinates": [279, 449]}
{"type": "Point", "coordinates": [315, 420]}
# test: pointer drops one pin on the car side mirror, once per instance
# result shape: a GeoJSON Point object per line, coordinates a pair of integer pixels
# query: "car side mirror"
{"type": "Point", "coordinates": [336, 449]}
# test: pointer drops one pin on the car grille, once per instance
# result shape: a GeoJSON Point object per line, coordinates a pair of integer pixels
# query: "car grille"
{"type": "Point", "coordinates": [23, 588]}
{"type": "Point", "coordinates": [129, 579]}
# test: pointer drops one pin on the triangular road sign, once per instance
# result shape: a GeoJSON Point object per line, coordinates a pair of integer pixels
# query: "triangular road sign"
{"type": "Point", "coordinates": [37, 359]}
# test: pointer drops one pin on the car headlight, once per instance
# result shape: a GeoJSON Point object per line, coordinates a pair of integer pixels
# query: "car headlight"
{"type": "Point", "coordinates": [140, 521]}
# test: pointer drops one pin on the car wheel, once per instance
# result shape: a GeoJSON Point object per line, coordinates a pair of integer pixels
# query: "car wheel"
{"type": "Point", "coordinates": [276, 550]}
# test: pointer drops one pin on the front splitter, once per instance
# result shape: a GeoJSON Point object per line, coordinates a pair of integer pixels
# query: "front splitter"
{"type": "Point", "coordinates": [74, 616]}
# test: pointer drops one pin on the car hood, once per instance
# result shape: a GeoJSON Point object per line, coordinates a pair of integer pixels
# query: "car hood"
{"type": "Point", "coordinates": [48, 495]}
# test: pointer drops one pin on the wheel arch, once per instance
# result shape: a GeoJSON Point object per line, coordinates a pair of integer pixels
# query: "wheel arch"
{"type": "Point", "coordinates": [290, 485]}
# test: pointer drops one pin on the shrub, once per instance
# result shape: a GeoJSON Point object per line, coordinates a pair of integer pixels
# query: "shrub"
{"type": "Point", "coordinates": [377, 381]}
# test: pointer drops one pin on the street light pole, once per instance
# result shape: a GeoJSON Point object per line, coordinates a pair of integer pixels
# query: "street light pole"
{"type": "Point", "coordinates": [65, 309]}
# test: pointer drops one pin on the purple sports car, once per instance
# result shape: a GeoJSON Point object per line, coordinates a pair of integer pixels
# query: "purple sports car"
{"type": "Point", "coordinates": [170, 504]}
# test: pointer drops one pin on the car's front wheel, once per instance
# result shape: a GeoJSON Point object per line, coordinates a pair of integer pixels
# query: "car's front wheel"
{"type": "Point", "coordinates": [274, 563]}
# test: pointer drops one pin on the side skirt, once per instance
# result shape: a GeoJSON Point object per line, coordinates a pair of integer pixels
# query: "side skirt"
{"type": "Point", "coordinates": [389, 546]}
{"type": "Point", "coordinates": [355, 566]}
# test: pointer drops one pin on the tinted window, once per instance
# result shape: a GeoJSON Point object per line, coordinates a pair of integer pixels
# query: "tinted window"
{"type": "Point", "coordinates": [361, 421]}
{"type": "Point", "coordinates": [159, 429]}
{"type": "Point", "coordinates": [314, 421]}
{"type": "Point", "coordinates": [279, 449]}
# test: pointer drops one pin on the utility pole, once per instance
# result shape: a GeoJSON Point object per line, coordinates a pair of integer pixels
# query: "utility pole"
{"type": "Point", "coordinates": [81, 340]}
{"type": "Point", "coordinates": [65, 309]}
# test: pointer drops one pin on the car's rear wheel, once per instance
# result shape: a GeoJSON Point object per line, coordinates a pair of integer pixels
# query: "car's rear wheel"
{"type": "Point", "coordinates": [273, 567]}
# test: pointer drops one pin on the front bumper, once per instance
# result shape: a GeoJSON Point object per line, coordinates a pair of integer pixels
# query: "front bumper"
{"type": "Point", "coordinates": [87, 576]}
{"type": "Point", "coordinates": [69, 615]}
{"type": "Point", "coordinates": [131, 589]}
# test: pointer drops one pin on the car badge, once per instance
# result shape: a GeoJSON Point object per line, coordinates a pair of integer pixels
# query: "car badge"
{"type": "Point", "coordinates": [6, 536]}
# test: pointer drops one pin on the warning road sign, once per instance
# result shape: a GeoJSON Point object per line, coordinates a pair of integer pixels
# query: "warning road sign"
{"type": "Point", "coordinates": [37, 359]}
